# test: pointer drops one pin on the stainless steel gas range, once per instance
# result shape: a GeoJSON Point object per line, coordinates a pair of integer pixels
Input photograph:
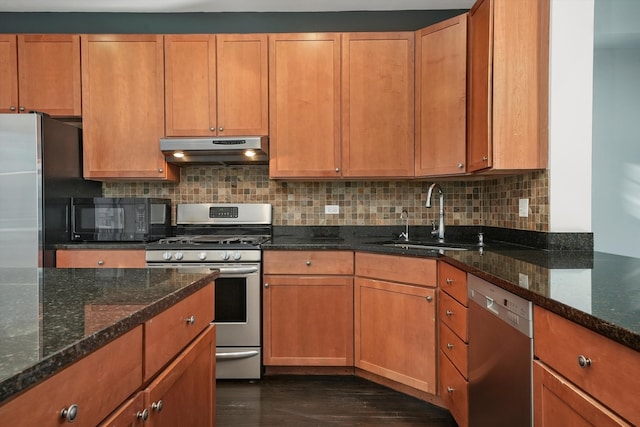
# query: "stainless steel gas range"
{"type": "Point", "coordinates": [226, 237]}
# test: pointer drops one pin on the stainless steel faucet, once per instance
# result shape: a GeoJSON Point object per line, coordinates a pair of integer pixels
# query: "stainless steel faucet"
{"type": "Point", "coordinates": [405, 235]}
{"type": "Point", "coordinates": [440, 231]}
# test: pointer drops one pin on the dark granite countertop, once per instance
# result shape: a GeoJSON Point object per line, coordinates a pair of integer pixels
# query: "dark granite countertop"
{"type": "Point", "coordinates": [597, 290]}
{"type": "Point", "coordinates": [45, 314]}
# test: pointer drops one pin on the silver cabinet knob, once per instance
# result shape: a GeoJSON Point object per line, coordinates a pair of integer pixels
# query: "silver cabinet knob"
{"type": "Point", "coordinates": [485, 158]}
{"type": "Point", "coordinates": [337, 169]}
{"type": "Point", "coordinates": [429, 298]}
{"type": "Point", "coordinates": [583, 361]}
{"type": "Point", "coordinates": [21, 108]}
{"type": "Point", "coordinates": [450, 389]}
{"type": "Point", "coordinates": [308, 263]}
{"type": "Point", "coordinates": [71, 413]}
{"type": "Point", "coordinates": [12, 108]}
{"type": "Point", "coordinates": [266, 285]}
{"type": "Point", "coordinates": [448, 281]}
{"type": "Point", "coordinates": [449, 345]}
{"type": "Point", "coordinates": [220, 128]}
{"type": "Point", "coordinates": [100, 262]}
{"type": "Point", "coordinates": [144, 415]}
{"type": "Point", "coordinates": [160, 170]}
{"type": "Point", "coordinates": [448, 313]}
{"type": "Point", "coordinates": [191, 320]}
{"type": "Point", "coordinates": [157, 406]}
{"type": "Point", "coordinates": [460, 165]}
{"type": "Point", "coordinates": [212, 128]}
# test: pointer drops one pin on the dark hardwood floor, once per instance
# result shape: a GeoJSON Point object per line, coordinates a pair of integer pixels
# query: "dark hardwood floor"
{"type": "Point", "coordinates": [320, 401]}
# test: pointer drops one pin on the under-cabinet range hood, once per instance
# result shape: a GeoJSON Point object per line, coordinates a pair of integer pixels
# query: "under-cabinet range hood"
{"type": "Point", "coordinates": [222, 151]}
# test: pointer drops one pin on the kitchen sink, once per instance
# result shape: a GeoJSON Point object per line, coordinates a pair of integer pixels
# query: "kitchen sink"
{"type": "Point", "coordinates": [434, 246]}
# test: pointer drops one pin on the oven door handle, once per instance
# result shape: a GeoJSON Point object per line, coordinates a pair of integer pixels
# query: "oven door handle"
{"type": "Point", "coordinates": [237, 354]}
{"type": "Point", "coordinates": [236, 270]}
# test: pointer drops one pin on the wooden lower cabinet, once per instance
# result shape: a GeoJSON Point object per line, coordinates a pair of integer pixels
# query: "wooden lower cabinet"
{"type": "Point", "coordinates": [589, 367]}
{"type": "Point", "coordinates": [395, 321]}
{"type": "Point", "coordinates": [100, 258]}
{"type": "Point", "coordinates": [454, 389]}
{"type": "Point", "coordinates": [308, 318]}
{"type": "Point", "coordinates": [557, 402]}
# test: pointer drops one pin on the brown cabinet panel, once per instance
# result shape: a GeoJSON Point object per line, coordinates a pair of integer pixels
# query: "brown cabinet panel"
{"type": "Point", "coordinates": [453, 281]}
{"type": "Point", "coordinates": [455, 349]}
{"type": "Point", "coordinates": [454, 390]}
{"type": "Point", "coordinates": [130, 414]}
{"type": "Point", "coordinates": [395, 334]}
{"type": "Point", "coordinates": [171, 330]}
{"type": "Point", "coordinates": [378, 104]}
{"type": "Point", "coordinates": [609, 367]}
{"type": "Point", "coordinates": [560, 403]}
{"type": "Point", "coordinates": [100, 258]}
{"type": "Point", "coordinates": [304, 105]}
{"type": "Point", "coordinates": [417, 271]}
{"type": "Point", "coordinates": [308, 262]}
{"type": "Point", "coordinates": [123, 107]}
{"type": "Point", "coordinates": [97, 384]}
{"type": "Point", "coordinates": [8, 73]}
{"type": "Point", "coordinates": [454, 315]}
{"type": "Point", "coordinates": [441, 96]}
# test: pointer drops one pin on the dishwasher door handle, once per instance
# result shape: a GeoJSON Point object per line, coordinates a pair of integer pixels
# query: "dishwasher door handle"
{"type": "Point", "coordinates": [236, 354]}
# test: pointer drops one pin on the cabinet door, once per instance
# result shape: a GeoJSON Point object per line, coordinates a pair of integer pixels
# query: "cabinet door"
{"type": "Point", "coordinates": [304, 105]}
{"type": "Point", "coordinates": [557, 402]}
{"type": "Point", "coordinates": [242, 84]}
{"type": "Point", "coordinates": [479, 148]}
{"type": "Point", "coordinates": [308, 320]}
{"type": "Point", "coordinates": [184, 393]}
{"type": "Point", "coordinates": [190, 85]}
{"type": "Point", "coordinates": [378, 104]}
{"type": "Point", "coordinates": [441, 96]}
{"type": "Point", "coordinates": [100, 258]}
{"type": "Point", "coordinates": [8, 73]}
{"type": "Point", "coordinates": [49, 74]}
{"type": "Point", "coordinates": [395, 332]}
{"type": "Point", "coordinates": [508, 86]}
{"type": "Point", "coordinates": [123, 107]}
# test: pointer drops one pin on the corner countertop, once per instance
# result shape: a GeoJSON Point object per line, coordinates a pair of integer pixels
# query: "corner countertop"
{"type": "Point", "coordinates": [45, 314]}
{"type": "Point", "coordinates": [597, 290]}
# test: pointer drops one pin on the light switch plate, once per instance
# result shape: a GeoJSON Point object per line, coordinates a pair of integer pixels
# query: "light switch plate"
{"type": "Point", "coordinates": [523, 208]}
{"type": "Point", "coordinates": [331, 209]}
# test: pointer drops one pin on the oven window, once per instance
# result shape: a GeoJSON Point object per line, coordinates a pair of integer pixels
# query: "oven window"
{"type": "Point", "coordinates": [231, 299]}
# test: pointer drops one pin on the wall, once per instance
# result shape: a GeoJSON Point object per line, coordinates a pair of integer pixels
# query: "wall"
{"type": "Point", "coordinates": [489, 202]}
{"type": "Point", "coordinates": [616, 110]}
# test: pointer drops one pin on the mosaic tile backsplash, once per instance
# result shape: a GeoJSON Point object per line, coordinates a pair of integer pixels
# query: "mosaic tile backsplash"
{"type": "Point", "coordinates": [491, 201]}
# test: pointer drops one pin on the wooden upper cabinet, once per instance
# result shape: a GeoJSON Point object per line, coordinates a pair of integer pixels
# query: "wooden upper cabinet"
{"type": "Point", "coordinates": [378, 104]}
{"type": "Point", "coordinates": [441, 96]}
{"type": "Point", "coordinates": [40, 73]}
{"type": "Point", "coordinates": [123, 107]}
{"type": "Point", "coordinates": [8, 73]}
{"type": "Point", "coordinates": [304, 105]}
{"type": "Point", "coordinates": [508, 85]}
{"type": "Point", "coordinates": [216, 85]}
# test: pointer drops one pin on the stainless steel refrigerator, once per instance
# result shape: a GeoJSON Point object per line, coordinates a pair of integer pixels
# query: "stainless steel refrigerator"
{"type": "Point", "coordinates": [40, 170]}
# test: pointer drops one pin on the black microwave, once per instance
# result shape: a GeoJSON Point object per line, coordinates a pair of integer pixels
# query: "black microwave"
{"type": "Point", "coordinates": [104, 219]}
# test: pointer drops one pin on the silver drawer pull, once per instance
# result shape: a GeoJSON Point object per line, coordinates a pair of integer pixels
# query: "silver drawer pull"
{"type": "Point", "coordinates": [71, 413]}
{"type": "Point", "coordinates": [584, 362]}
{"type": "Point", "coordinates": [308, 262]}
{"type": "Point", "coordinates": [191, 320]}
{"type": "Point", "coordinates": [144, 415]}
{"type": "Point", "coordinates": [449, 346]}
{"type": "Point", "coordinates": [157, 406]}
{"type": "Point", "coordinates": [448, 313]}
{"type": "Point", "coordinates": [450, 389]}
{"type": "Point", "coordinates": [449, 281]}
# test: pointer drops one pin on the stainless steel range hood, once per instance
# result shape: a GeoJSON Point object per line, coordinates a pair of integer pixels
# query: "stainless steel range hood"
{"type": "Point", "coordinates": [221, 151]}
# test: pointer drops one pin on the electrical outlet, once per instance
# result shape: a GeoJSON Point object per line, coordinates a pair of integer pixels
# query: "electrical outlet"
{"type": "Point", "coordinates": [523, 208]}
{"type": "Point", "coordinates": [523, 280]}
{"type": "Point", "coordinates": [331, 209]}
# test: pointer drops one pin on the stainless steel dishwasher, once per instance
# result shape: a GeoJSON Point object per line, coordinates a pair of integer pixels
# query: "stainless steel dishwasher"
{"type": "Point", "coordinates": [500, 356]}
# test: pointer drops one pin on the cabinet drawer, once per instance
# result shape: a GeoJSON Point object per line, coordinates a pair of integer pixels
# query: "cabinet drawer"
{"type": "Point", "coordinates": [96, 384]}
{"type": "Point", "coordinates": [308, 262]}
{"type": "Point", "coordinates": [417, 271]}
{"type": "Point", "coordinates": [100, 258]}
{"type": "Point", "coordinates": [557, 402]}
{"type": "Point", "coordinates": [453, 281]}
{"type": "Point", "coordinates": [455, 349]}
{"type": "Point", "coordinates": [454, 315]}
{"type": "Point", "coordinates": [129, 414]}
{"type": "Point", "coordinates": [454, 390]}
{"type": "Point", "coordinates": [170, 331]}
{"type": "Point", "coordinates": [614, 369]}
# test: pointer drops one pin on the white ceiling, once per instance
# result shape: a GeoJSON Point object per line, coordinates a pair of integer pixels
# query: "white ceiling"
{"type": "Point", "coordinates": [180, 6]}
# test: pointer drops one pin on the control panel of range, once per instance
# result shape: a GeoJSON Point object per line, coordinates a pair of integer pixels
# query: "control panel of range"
{"type": "Point", "coordinates": [211, 256]}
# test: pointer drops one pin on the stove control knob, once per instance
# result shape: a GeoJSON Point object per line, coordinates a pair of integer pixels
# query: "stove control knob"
{"type": "Point", "coordinates": [202, 256]}
{"type": "Point", "coordinates": [166, 256]}
{"type": "Point", "coordinates": [178, 256]}
{"type": "Point", "coordinates": [237, 256]}
{"type": "Point", "coordinates": [224, 255]}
